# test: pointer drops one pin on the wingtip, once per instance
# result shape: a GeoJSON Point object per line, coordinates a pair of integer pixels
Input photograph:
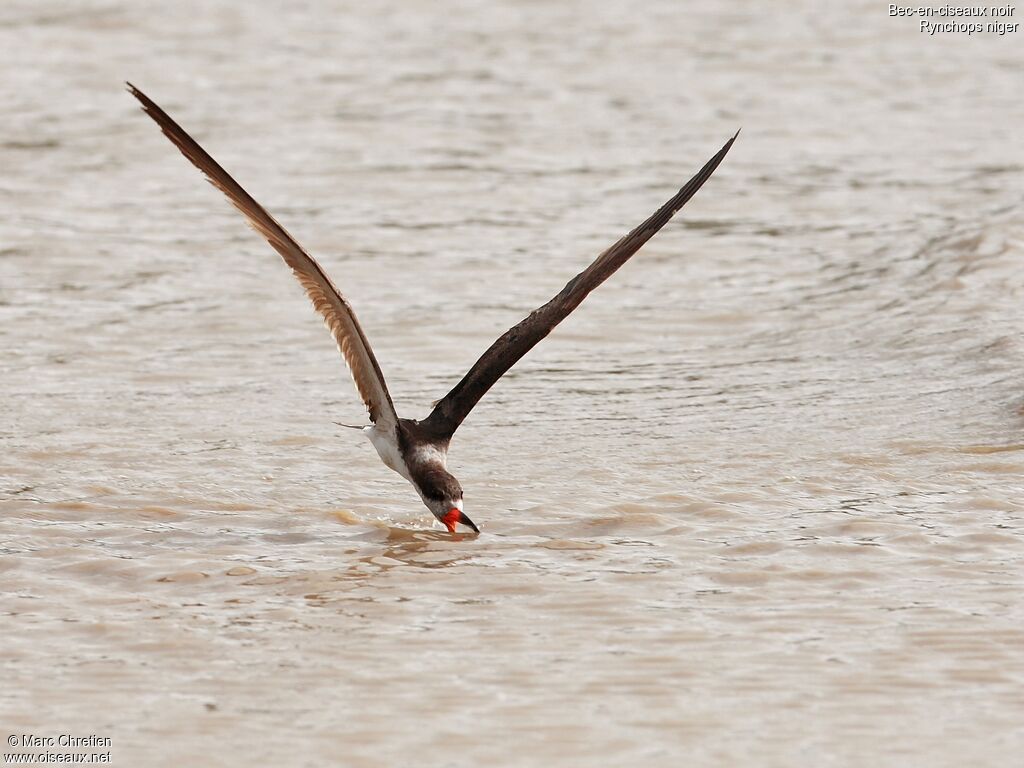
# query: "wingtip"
{"type": "Point", "coordinates": [139, 95]}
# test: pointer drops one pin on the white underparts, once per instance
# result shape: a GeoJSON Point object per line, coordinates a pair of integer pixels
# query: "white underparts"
{"type": "Point", "coordinates": [387, 449]}
{"type": "Point", "coordinates": [386, 443]}
{"type": "Point", "coordinates": [429, 454]}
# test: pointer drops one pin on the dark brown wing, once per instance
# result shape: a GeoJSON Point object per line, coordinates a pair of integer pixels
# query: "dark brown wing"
{"type": "Point", "coordinates": [520, 339]}
{"type": "Point", "coordinates": [335, 309]}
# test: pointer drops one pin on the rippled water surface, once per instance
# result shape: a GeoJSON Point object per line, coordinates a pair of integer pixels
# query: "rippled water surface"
{"type": "Point", "coordinates": [758, 502]}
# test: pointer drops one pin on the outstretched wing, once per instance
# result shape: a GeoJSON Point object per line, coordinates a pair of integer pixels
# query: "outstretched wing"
{"type": "Point", "coordinates": [335, 309]}
{"type": "Point", "coordinates": [451, 410]}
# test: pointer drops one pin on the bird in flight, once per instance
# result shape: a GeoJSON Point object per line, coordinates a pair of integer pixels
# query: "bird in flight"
{"type": "Point", "coordinates": [418, 450]}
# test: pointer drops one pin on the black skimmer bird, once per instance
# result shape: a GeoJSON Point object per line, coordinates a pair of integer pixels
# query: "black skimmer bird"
{"type": "Point", "coordinates": [418, 450]}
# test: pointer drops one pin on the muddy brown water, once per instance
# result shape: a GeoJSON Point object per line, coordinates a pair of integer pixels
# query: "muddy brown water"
{"type": "Point", "coordinates": [758, 502]}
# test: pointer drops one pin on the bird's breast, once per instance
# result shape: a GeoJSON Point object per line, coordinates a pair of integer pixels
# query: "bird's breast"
{"type": "Point", "coordinates": [427, 454]}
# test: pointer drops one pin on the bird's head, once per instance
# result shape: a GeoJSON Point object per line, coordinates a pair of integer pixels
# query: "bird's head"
{"type": "Point", "coordinates": [442, 494]}
{"type": "Point", "coordinates": [449, 512]}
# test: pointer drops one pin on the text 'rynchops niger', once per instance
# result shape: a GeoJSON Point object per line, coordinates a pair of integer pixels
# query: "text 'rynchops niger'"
{"type": "Point", "coordinates": [418, 450]}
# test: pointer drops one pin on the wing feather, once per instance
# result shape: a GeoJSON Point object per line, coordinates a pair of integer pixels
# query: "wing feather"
{"type": "Point", "coordinates": [338, 314]}
{"type": "Point", "coordinates": [453, 408]}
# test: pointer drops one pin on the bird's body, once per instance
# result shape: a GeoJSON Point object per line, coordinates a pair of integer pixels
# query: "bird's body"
{"type": "Point", "coordinates": [418, 450]}
{"type": "Point", "coordinates": [391, 453]}
{"type": "Point", "coordinates": [422, 459]}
